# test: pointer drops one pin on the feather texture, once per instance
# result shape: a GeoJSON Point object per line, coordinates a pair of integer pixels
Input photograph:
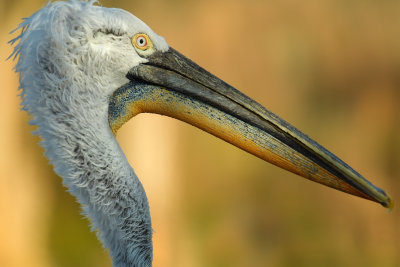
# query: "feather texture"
{"type": "Point", "coordinates": [71, 56]}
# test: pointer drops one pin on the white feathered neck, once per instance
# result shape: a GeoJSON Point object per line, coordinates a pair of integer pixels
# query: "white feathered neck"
{"type": "Point", "coordinates": [72, 55]}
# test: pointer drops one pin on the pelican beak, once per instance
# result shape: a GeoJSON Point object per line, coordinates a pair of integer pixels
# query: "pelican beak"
{"type": "Point", "coordinates": [172, 85]}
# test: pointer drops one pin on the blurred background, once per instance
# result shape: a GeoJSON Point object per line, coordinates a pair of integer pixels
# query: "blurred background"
{"type": "Point", "coordinates": [331, 68]}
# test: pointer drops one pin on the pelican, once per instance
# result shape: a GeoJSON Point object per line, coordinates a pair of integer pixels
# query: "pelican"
{"type": "Point", "coordinates": [85, 70]}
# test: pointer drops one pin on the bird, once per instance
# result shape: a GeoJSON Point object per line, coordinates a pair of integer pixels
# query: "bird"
{"type": "Point", "coordinates": [85, 70]}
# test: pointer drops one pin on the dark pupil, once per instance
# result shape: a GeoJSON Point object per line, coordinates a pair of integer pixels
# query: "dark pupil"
{"type": "Point", "coordinates": [141, 41]}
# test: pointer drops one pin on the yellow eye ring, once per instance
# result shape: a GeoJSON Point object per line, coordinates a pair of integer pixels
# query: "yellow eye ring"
{"type": "Point", "coordinates": [141, 41]}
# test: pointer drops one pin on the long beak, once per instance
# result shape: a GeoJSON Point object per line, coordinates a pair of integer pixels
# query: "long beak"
{"type": "Point", "coordinates": [170, 84]}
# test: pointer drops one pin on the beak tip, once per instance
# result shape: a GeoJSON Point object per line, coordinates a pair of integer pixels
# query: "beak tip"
{"type": "Point", "coordinates": [389, 204]}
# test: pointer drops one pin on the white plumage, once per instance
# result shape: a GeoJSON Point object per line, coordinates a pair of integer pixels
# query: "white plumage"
{"type": "Point", "coordinates": [72, 39]}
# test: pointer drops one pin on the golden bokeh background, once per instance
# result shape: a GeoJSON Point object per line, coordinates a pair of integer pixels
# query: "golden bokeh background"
{"type": "Point", "coordinates": [331, 68]}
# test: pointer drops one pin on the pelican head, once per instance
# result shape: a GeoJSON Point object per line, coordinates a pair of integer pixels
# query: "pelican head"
{"type": "Point", "coordinates": [85, 70]}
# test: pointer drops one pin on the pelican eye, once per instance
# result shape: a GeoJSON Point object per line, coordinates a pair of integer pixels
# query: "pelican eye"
{"type": "Point", "coordinates": [141, 41]}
